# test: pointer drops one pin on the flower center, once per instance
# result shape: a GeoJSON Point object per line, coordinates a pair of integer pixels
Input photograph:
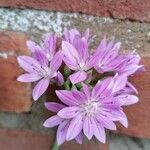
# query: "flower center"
{"type": "Point", "coordinates": [82, 65]}
{"type": "Point", "coordinates": [49, 57]}
{"type": "Point", "coordinates": [44, 72]}
{"type": "Point", "coordinates": [90, 108]}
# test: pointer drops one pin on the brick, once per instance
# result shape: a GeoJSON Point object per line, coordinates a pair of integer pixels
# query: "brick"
{"type": "Point", "coordinates": [24, 140]}
{"type": "Point", "coordinates": [124, 9]}
{"type": "Point", "coordinates": [14, 96]}
{"type": "Point", "coordinates": [90, 145]}
{"type": "Point", "coordinates": [27, 140]}
{"type": "Point", "coordinates": [138, 114]}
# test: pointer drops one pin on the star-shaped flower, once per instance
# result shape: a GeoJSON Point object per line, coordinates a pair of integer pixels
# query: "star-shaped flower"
{"type": "Point", "coordinates": [40, 69]}
{"type": "Point", "coordinates": [90, 111]}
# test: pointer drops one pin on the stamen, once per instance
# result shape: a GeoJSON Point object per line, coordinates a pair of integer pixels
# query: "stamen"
{"type": "Point", "coordinates": [90, 108]}
{"type": "Point", "coordinates": [82, 65]}
{"type": "Point", "coordinates": [42, 71]}
{"type": "Point", "coordinates": [49, 57]}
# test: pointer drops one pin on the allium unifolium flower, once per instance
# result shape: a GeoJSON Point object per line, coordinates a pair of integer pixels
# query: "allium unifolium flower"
{"type": "Point", "coordinates": [94, 83]}
{"type": "Point", "coordinates": [73, 35]}
{"type": "Point", "coordinates": [90, 111]}
{"type": "Point", "coordinates": [111, 60]}
{"type": "Point", "coordinates": [105, 58]}
{"type": "Point", "coordinates": [42, 67]}
{"type": "Point", "coordinates": [77, 56]}
{"type": "Point", "coordinates": [48, 47]}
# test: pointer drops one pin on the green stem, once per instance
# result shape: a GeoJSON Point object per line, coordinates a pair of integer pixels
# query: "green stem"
{"type": "Point", "coordinates": [100, 77]}
{"type": "Point", "coordinates": [66, 72]}
{"type": "Point", "coordinates": [67, 85]}
{"type": "Point", "coordinates": [55, 146]}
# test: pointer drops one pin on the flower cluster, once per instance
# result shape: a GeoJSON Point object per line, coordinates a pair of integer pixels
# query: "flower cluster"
{"type": "Point", "coordinates": [94, 83]}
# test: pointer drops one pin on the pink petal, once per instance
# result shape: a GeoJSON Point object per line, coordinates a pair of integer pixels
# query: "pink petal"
{"type": "Point", "coordinates": [78, 77]}
{"type": "Point", "coordinates": [116, 46]}
{"type": "Point", "coordinates": [62, 131]}
{"type": "Point", "coordinates": [50, 43]}
{"type": "Point", "coordinates": [56, 61]}
{"type": "Point", "coordinates": [88, 128]}
{"type": "Point", "coordinates": [128, 70]}
{"type": "Point", "coordinates": [113, 63]}
{"type": "Point", "coordinates": [110, 44]}
{"type": "Point", "coordinates": [32, 46]}
{"type": "Point", "coordinates": [102, 88]}
{"type": "Point", "coordinates": [70, 64]}
{"type": "Point", "coordinates": [102, 45]}
{"type": "Point", "coordinates": [105, 54]}
{"type": "Point", "coordinates": [82, 47]}
{"type": "Point", "coordinates": [128, 99]}
{"type": "Point", "coordinates": [66, 97]}
{"type": "Point", "coordinates": [70, 52]}
{"type": "Point", "coordinates": [70, 34]}
{"type": "Point", "coordinates": [59, 79]}
{"type": "Point", "coordinates": [41, 58]}
{"type": "Point", "coordinates": [52, 121]}
{"type": "Point", "coordinates": [112, 114]}
{"type": "Point", "coordinates": [111, 103]}
{"type": "Point", "coordinates": [79, 96]}
{"type": "Point", "coordinates": [110, 56]}
{"type": "Point", "coordinates": [40, 88]}
{"type": "Point", "coordinates": [28, 63]}
{"type": "Point", "coordinates": [120, 83]}
{"type": "Point", "coordinates": [68, 112]}
{"type": "Point", "coordinates": [86, 90]}
{"type": "Point", "coordinates": [106, 122]}
{"type": "Point", "coordinates": [79, 138]}
{"type": "Point", "coordinates": [140, 69]}
{"type": "Point", "coordinates": [75, 128]}
{"type": "Point", "coordinates": [54, 107]}
{"type": "Point", "coordinates": [132, 87]}
{"type": "Point", "coordinates": [124, 120]}
{"type": "Point", "coordinates": [99, 131]}
{"type": "Point", "coordinates": [92, 61]}
{"type": "Point", "coordinates": [86, 34]}
{"type": "Point", "coordinates": [29, 77]}
{"type": "Point", "coordinates": [77, 42]}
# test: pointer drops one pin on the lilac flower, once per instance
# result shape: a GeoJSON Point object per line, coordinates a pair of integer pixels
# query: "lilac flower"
{"type": "Point", "coordinates": [77, 57]}
{"type": "Point", "coordinates": [48, 47]}
{"type": "Point", "coordinates": [130, 64]}
{"type": "Point", "coordinates": [90, 111]}
{"type": "Point", "coordinates": [63, 124]}
{"type": "Point", "coordinates": [40, 69]}
{"type": "Point", "coordinates": [72, 35]}
{"type": "Point", "coordinates": [111, 60]}
{"type": "Point", "coordinates": [95, 107]}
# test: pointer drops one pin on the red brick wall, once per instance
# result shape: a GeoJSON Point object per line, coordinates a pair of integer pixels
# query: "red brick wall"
{"type": "Point", "coordinates": [15, 96]}
{"type": "Point", "coordinates": [124, 9]}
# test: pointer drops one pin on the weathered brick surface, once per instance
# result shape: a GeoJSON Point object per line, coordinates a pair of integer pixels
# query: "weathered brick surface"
{"type": "Point", "coordinates": [124, 9]}
{"type": "Point", "coordinates": [24, 140]}
{"type": "Point", "coordinates": [138, 114]}
{"type": "Point", "coordinates": [14, 96]}
{"type": "Point", "coordinates": [85, 146]}
{"type": "Point", "coordinates": [27, 140]}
